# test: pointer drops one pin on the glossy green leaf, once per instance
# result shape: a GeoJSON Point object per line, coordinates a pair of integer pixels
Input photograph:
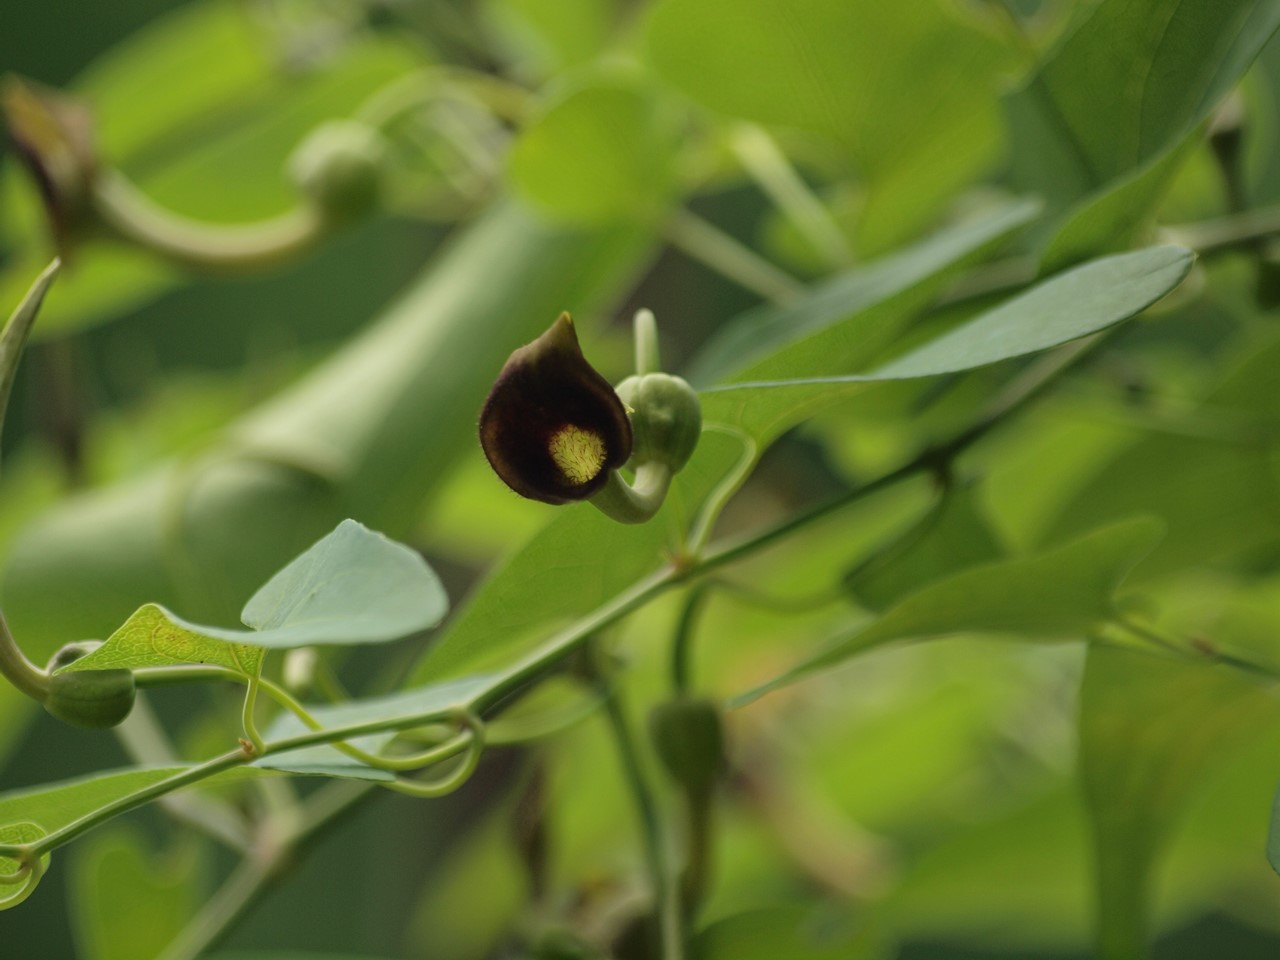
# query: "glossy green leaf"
{"type": "Point", "coordinates": [1064, 593]}
{"type": "Point", "coordinates": [1115, 217]}
{"type": "Point", "coordinates": [846, 321]}
{"type": "Point", "coordinates": [128, 901]}
{"type": "Point", "coordinates": [1104, 116]}
{"type": "Point", "coordinates": [850, 72]}
{"type": "Point", "coordinates": [1106, 133]}
{"type": "Point", "coordinates": [953, 535]}
{"type": "Point", "coordinates": [1071, 305]}
{"type": "Point", "coordinates": [1151, 730]}
{"type": "Point", "coordinates": [154, 637]}
{"type": "Point", "coordinates": [436, 700]}
{"type": "Point", "coordinates": [602, 150]}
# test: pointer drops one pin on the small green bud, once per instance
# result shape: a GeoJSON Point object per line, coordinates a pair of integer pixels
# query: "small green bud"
{"type": "Point", "coordinates": [88, 698]}
{"type": "Point", "coordinates": [339, 167]}
{"type": "Point", "coordinates": [666, 418]}
{"type": "Point", "coordinates": [552, 427]}
{"type": "Point", "coordinates": [688, 736]}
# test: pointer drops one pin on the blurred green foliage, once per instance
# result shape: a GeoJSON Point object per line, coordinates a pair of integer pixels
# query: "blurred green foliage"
{"type": "Point", "coordinates": [865, 229]}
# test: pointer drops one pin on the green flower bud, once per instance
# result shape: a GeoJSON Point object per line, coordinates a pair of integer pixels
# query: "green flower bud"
{"type": "Point", "coordinates": [339, 168]}
{"type": "Point", "coordinates": [666, 418]}
{"type": "Point", "coordinates": [688, 736]}
{"type": "Point", "coordinates": [88, 698]}
{"type": "Point", "coordinates": [552, 427]}
{"type": "Point", "coordinates": [53, 135]}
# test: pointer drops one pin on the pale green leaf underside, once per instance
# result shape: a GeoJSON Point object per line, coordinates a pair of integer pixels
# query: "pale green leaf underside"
{"type": "Point", "coordinates": [1062, 593]}
{"type": "Point", "coordinates": [353, 586]}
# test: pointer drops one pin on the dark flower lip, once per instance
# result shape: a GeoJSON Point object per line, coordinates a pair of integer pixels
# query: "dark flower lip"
{"type": "Point", "coordinates": [552, 427]}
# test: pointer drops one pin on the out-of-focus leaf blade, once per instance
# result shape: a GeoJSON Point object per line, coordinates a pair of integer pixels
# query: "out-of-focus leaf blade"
{"type": "Point", "coordinates": [952, 536]}
{"type": "Point", "coordinates": [779, 932]}
{"type": "Point", "coordinates": [1217, 491]}
{"type": "Point", "coordinates": [203, 112]}
{"type": "Point", "coordinates": [1103, 135]}
{"type": "Point", "coordinates": [128, 902]}
{"type": "Point", "coordinates": [1107, 115]}
{"type": "Point", "coordinates": [59, 804]}
{"type": "Point", "coordinates": [601, 151]}
{"type": "Point", "coordinates": [1150, 730]}
{"type": "Point", "coordinates": [1064, 593]}
{"type": "Point", "coordinates": [906, 92]}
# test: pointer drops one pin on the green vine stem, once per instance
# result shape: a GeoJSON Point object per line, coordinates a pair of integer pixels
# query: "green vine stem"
{"type": "Point", "coordinates": [645, 332]}
{"type": "Point", "coordinates": [207, 246]}
{"type": "Point", "coordinates": [634, 502]}
{"type": "Point", "coordinates": [14, 665]}
{"type": "Point", "coordinates": [473, 738]}
{"type": "Point", "coordinates": [666, 894]}
{"type": "Point", "coordinates": [247, 714]}
{"type": "Point", "coordinates": [230, 761]}
{"type": "Point", "coordinates": [147, 744]}
{"type": "Point", "coordinates": [724, 490]}
{"type": "Point", "coordinates": [770, 167]}
{"type": "Point", "coordinates": [682, 643]}
{"type": "Point", "coordinates": [155, 676]}
{"type": "Point", "coordinates": [719, 251]}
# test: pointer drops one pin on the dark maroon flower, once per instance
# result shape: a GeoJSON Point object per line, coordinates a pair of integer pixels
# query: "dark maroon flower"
{"type": "Point", "coordinates": [552, 427]}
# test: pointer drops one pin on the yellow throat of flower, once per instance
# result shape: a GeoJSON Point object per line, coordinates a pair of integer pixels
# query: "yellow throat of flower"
{"type": "Point", "coordinates": [578, 453]}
